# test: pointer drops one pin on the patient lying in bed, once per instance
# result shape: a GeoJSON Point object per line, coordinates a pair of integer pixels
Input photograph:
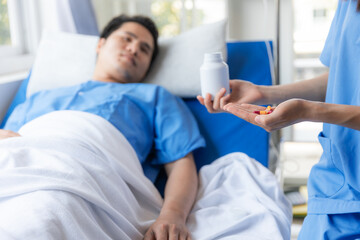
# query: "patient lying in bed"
{"type": "Point", "coordinates": [80, 161]}
{"type": "Point", "coordinates": [151, 120]}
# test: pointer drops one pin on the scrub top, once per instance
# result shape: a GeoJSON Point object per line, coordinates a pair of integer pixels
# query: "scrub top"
{"type": "Point", "coordinates": [155, 122]}
{"type": "Point", "coordinates": [334, 182]}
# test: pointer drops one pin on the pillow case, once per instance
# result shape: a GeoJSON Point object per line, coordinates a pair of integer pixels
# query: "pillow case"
{"type": "Point", "coordinates": [177, 66]}
{"type": "Point", "coordinates": [65, 59]}
{"type": "Point", "coordinates": [62, 59]}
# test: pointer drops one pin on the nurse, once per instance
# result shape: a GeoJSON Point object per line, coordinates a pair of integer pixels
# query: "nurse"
{"type": "Point", "coordinates": [332, 98]}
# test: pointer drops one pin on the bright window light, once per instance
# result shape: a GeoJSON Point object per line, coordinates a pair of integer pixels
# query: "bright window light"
{"type": "Point", "coordinates": [5, 38]}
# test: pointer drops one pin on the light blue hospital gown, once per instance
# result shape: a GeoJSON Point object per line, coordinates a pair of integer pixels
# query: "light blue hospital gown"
{"type": "Point", "coordinates": [154, 121]}
{"type": "Point", "coordinates": [334, 182]}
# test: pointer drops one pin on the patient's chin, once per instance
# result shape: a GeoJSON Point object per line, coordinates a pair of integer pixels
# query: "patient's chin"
{"type": "Point", "coordinates": [124, 76]}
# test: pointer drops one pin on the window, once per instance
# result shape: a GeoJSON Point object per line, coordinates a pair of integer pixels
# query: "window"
{"type": "Point", "coordinates": [171, 16]}
{"type": "Point", "coordinates": [14, 55]}
{"type": "Point", "coordinates": [320, 13]}
{"type": "Point", "coordinates": [175, 16]}
{"type": "Point", "coordinates": [4, 24]}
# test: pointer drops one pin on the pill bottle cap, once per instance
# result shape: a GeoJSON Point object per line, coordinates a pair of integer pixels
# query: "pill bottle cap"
{"type": "Point", "coordinates": [213, 57]}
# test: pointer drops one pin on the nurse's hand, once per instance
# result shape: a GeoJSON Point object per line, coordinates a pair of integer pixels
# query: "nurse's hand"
{"type": "Point", "coordinates": [241, 92]}
{"type": "Point", "coordinates": [168, 226]}
{"type": "Point", "coordinates": [8, 134]}
{"type": "Point", "coordinates": [285, 114]}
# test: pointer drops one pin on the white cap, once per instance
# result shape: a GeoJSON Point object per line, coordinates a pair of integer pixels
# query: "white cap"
{"type": "Point", "coordinates": [215, 56]}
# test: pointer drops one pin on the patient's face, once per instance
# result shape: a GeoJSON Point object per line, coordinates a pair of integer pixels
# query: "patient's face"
{"type": "Point", "coordinates": [125, 55]}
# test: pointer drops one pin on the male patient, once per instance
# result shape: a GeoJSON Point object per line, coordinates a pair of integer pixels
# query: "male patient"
{"type": "Point", "coordinates": [152, 120]}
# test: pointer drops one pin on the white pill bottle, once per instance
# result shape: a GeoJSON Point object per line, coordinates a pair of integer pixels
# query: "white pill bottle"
{"type": "Point", "coordinates": [214, 74]}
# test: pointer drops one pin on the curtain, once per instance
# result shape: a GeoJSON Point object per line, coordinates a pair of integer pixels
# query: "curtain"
{"type": "Point", "coordinates": [107, 9]}
{"type": "Point", "coordinates": [75, 16]}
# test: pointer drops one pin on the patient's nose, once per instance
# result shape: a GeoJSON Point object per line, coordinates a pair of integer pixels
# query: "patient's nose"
{"type": "Point", "coordinates": [133, 48]}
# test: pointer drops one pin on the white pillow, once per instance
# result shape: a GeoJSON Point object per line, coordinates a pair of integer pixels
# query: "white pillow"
{"type": "Point", "coordinates": [177, 67]}
{"type": "Point", "coordinates": [65, 59]}
{"type": "Point", "coordinates": [62, 59]}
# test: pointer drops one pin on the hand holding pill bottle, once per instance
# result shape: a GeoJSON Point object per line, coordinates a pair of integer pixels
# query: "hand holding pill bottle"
{"type": "Point", "coordinates": [214, 75]}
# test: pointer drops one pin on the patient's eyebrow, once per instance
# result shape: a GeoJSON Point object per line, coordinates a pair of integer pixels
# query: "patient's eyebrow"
{"type": "Point", "coordinates": [145, 44]}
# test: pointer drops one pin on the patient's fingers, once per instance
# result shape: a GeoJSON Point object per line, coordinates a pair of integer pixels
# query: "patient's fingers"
{"type": "Point", "coordinates": [162, 234]}
{"type": "Point", "coordinates": [173, 232]}
{"type": "Point", "coordinates": [8, 134]}
{"type": "Point", "coordinates": [149, 235]}
{"type": "Point", "coordinates": [185, 237]}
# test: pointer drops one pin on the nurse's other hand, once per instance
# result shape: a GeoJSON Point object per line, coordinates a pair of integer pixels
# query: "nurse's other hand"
{"type": "Point", "coordinates": [246, 92]}
{"type": "Point", "coordinates": [241, 92]}
{"type": "Point", "coordinates": [8, 134]}
{"type": "Point", "coordinates": [285, 114]}
{"type": "Point", "coordinates": [216, 105]}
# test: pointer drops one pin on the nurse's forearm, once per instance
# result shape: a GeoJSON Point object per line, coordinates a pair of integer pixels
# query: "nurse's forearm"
{"type": "Point", "coordinates": [339, 114]}
{"type": "Point", "coordinates": [312, 89]}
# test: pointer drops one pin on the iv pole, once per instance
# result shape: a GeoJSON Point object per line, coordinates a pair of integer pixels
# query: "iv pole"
{"type": "Point", "coordinates": [275, 137]}
{"type": "Point", "coordinates": [277, 43]}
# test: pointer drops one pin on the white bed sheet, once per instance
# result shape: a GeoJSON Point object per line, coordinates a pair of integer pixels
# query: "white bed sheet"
{"type": "Point", "coordinates": [74, 176]}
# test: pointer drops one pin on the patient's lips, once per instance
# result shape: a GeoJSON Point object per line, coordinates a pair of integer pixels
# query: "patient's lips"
{"type": "Point", "coordinates": [129, 58]}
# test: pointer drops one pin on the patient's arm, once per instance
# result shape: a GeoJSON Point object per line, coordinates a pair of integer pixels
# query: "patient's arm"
{"type": "Point", "coordinates": [7, 134]}
{"type": "Point", "coordinates": [179, 196]}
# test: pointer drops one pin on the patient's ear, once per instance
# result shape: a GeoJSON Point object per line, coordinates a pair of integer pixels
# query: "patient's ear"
{"type": "Point", "coordinates": [100, 43]}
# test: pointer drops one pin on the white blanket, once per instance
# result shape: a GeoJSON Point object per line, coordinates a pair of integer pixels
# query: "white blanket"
{"type": "Point", "coordinates": [239, 198]}
{"type": "Point", "coordinates": [72, 175]}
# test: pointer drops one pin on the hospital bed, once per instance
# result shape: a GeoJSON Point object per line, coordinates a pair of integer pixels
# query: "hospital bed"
{"type": "Point", "coordinates": [263, 215]}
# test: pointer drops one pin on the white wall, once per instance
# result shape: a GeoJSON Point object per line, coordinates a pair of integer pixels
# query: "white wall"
{"type": "Point", "coordinates": [249, 22]}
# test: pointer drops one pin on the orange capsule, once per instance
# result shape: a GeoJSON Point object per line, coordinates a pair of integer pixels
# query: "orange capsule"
{"type": "Point", "coordinates": [268, 110]}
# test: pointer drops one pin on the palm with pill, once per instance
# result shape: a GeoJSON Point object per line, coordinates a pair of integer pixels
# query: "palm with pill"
{"type": "Point", "coordinates": [287, 113]}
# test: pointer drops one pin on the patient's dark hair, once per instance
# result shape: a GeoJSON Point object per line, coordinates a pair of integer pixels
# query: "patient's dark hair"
{"type": "Point", "coordinates": [116, 23]}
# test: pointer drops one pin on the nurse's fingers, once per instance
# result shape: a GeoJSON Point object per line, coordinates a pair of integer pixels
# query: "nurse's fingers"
{"type": "Point", "coordinates": [200, 99]}
{"type": "Point", "coordinates": [224, 101]}
{"type": "Point", "coordinates": [252, 107]}
{"type": "Point", "coordinates": [209, 103]}
{"type": "Point", "coordinates": [240, 111]}
{"type": "Point", "coordinates": [217, 100]}
{"type": "Point", "coordinates": [243, 113]}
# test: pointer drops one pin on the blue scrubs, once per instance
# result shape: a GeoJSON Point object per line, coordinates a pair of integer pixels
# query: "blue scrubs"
{"type": "Point", "coordinates": [155, 122]}
{"type": "Point", "coordinates": [334, 182]}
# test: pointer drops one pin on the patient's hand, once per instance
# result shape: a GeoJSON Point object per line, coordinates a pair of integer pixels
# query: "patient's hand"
{"type": "Point", "coordinates": [8, 134]}
{"type": "Point", "coordinates": [168, 226]}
